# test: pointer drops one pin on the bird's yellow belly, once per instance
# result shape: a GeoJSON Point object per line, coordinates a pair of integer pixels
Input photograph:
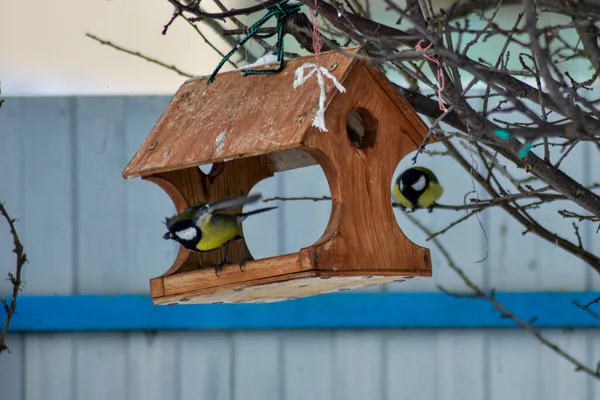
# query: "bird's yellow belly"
{"type": "Point", "coordinates": [215, 236]}
{"type": "Point", "coordinates": [431, 195]}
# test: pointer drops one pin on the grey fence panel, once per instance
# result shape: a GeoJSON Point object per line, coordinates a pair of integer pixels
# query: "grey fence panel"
{"type": "Point", "coordinates": [87, 230]}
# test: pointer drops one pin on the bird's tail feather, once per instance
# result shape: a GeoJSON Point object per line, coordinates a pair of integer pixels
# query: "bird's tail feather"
{"type": "Point", "coordinates": [245, 215]}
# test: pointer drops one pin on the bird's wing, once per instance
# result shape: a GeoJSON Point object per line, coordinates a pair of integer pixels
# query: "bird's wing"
{"type": "Point", "coordinates": [226, 203]}
{"type": "Point", "coordinates": [186, 214]}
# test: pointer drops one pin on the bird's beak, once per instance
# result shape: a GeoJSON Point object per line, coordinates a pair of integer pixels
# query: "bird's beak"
{"type": "Point", "coordinates": [168, 235]}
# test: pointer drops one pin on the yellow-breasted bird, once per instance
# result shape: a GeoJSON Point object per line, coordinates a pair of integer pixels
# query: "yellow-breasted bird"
{"type": "Point", "coordinates": [200, 228]}
{"type": "Point", "coordinates": [417, 187]}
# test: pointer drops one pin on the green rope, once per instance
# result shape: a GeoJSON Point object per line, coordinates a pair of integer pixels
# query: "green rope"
{"type": "Point", "coordinates": [281, 11]}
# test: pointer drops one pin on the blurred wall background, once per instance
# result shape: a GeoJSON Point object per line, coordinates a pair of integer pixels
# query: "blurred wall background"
{"type": "Point", "coordinates": [88, 231]}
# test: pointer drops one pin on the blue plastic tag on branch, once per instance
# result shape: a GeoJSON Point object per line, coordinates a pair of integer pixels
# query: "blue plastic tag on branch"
{"type": "Point", "coordinates": [525, 150]}
{"type": "Point", "coordinates": [502, 134]}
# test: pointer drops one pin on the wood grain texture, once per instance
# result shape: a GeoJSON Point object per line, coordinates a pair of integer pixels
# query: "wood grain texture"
{"type": "Point", "coordinates": [250, 133]}
{"type": "Point", "coordinates": [235, 117]}
{"type": "Point", "coordinates": [415, 128]}
{"type": "Point", "coordinates": [362, 232]}
{"type": "Point", "coordinates": [278, 288]}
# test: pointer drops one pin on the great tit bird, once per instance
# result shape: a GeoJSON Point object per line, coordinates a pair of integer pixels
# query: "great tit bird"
{"type": "Point", "coordinates": [200, 228]}
{"type": "Point", "coordinates": [417, 187]}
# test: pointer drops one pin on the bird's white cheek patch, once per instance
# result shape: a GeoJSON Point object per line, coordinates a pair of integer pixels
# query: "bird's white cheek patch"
{"type": "Point", "coordinates": [186, 234]}
{"type": "Point", "coordinates": [419, 184]}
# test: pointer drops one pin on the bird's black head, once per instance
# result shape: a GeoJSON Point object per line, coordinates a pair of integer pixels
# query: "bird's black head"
{"type": "Point", "coordinates": [183, 232]}
{"type": "Point", "coordinates": [413, 180]}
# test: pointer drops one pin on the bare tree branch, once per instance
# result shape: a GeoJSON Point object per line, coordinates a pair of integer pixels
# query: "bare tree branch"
{"type": "Point", "coordinates": [587, 310]}
{"type": "Point", "coordinates": [478, 127]}
{"type": "Point", "coordinates": [564, 112]}
{"type": "Point", "coordinates": [140, 55]}
{"type": "Point", "coordinates": [505, 313]}
{"type": "Point", "coordinates": [11, 305]}
{"type": "Point", "coordinates": [522, 217]}
{"type": "Point", "coordinates": [195, 9]}
{"type": "Point", "coordinates": [523, 107]}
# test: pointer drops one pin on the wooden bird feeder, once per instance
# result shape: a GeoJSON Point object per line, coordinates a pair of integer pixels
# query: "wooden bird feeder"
{"type": "Point", "coordinates": [252, 127]}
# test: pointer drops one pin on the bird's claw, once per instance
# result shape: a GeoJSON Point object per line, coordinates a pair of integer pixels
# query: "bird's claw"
{"type": "Point", "coordinates": [247, 256]}
{"type": "Point", "coordinates": [219, 266]}
{"type": "Point", "coordinates": [431, 207]}
{"type": "Point", "coordinates": [243, 262]}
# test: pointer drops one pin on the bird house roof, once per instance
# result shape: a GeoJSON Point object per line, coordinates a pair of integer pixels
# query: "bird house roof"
{"type": "Point", "coordinates": [237, 116]}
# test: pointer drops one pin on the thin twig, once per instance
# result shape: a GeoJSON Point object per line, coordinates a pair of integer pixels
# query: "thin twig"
{"type": "Point", "coordinates": [580, 217]}
{"type": "Point", "coordinates": [576, 229]}
{"type": "Point", "coordinates": [587, 310]}
{"type": "Point", "coordinates": [278, 198]}
{"type": "Point", "coordinates": [596, 300]}
{"type": "Point", "coordinates": [168, 24]}
{"type": "Point", "coordinates": [452, 225]}
{"type": "Point", "coordinates": [15, 278]}
{"type": "Point", "coordinates": [476, 204]}
{"type": "Point", "coordinates": [208, 42]}
{"type": "Point", "coordinates": [195, 9]}
{"type": "Point", "coordinates": [498, 306]}
{"type": "Point", "coordinates": [140, 55]}
{"type": "Point", "coordinates": [245, 31]}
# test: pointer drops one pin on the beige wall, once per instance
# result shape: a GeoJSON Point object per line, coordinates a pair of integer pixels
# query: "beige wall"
{"type": "Point", "coordinates": [44, 50]}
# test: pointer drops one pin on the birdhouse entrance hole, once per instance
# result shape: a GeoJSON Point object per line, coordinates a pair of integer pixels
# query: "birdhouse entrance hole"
{"type": "Point", "coordinates": [252, 127]}
{"type": "Point", "coordinates": [361, 127]}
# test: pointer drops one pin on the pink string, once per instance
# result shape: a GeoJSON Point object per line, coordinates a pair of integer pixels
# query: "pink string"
{"type": "Point", "coordinates": [440, 74]}
{"type": "Point", "coordinates": [317, 44]}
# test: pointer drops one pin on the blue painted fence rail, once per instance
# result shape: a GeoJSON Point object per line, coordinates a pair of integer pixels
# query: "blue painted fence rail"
{"type": "Point", "coordinates": [331, 311]}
